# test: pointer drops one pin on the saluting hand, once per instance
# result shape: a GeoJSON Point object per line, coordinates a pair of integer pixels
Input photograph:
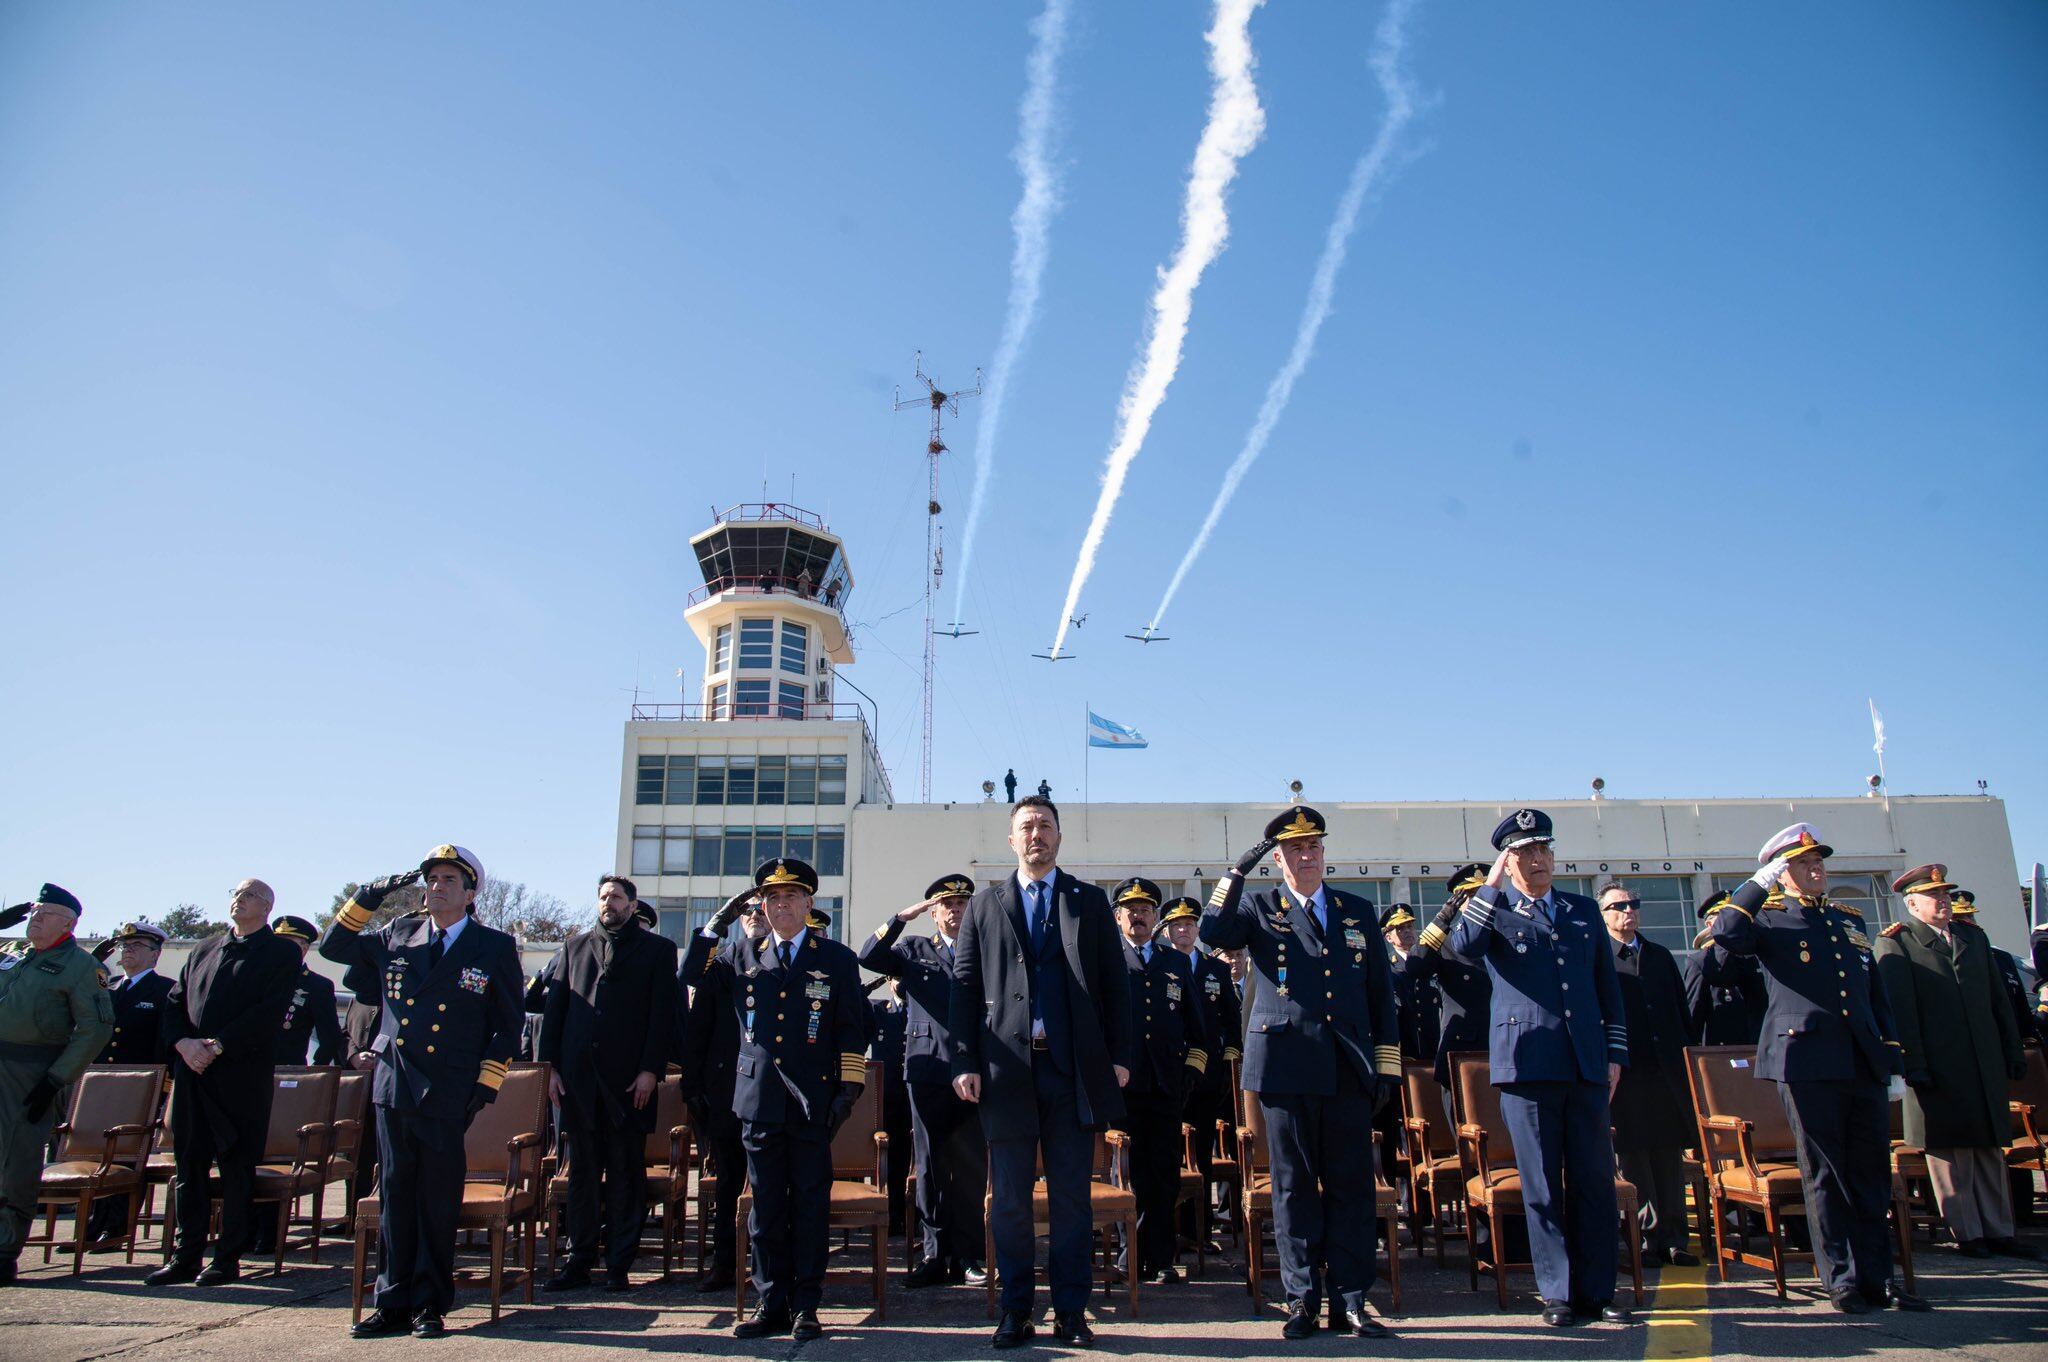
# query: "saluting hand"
{"type": "Point", "coordinates": [1767, 877]}
{"type": "Point", "coordinates": [915, 910]}
{"type": "Point", "coordinates": [1498, 876]}
{"type": "Point", "coordinates": [377, 890]}
{"type": "Point", "coordinates": [1250, 860]}
{"type": "Point", "coordinates": [729, 912]}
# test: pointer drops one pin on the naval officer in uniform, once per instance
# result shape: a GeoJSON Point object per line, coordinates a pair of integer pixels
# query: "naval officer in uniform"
{"type": "Point", "coordinates": [1559, 1045]}
{"type": "Point", "coordinates": [1322, 1054]}
{"type": "Point", "coordinates": [802, 1017]}
{"type": "Point", "coordinates": [1213, 1100]}
{"type": "Point", "coordinates": [1830, 1044]}
{"type": "Point", "coordinates": [952, 1157]}
{"type": "Point", "coordinates": [312, 1013]}
{"type": "Point", "coordinates": [138, 995]}
{"type": "Point", "coordinates": [1464, 992]}
{"type": "Point", "coordinates": [54, 1017]}
{"type": "Point", "coordinates": [449, 1027]}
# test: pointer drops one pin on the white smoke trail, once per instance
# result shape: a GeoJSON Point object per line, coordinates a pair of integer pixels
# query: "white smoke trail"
{"type": "Point", "coordinates": [1235, 124]}
{"type": "Point", "coordinates": [1030, 225]}
{"type": "Point", "coordinates": [1389, 43]}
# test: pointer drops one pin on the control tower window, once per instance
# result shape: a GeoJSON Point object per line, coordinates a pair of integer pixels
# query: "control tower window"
{"type": "Point", "coordinates": [789, 700]}
{"type": "Point", "coordinates": [750, 698]}
{"type": "Point", "coordinates": [757, 644]}
{"type": "Point", "coordinates": [795, 641]}
{"type": "Point", "coordinates": [721, 649]}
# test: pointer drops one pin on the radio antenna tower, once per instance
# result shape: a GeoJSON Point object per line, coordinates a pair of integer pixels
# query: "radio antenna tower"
{"type": "Point", "coordinates": [941, 403]}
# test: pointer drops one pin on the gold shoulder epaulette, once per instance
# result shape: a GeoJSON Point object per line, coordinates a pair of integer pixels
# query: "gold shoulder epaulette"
{"type": "Point", "coordinates": [1892, 932]}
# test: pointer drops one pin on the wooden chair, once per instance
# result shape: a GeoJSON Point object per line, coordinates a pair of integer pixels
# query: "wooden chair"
{"type": "Point", "coordinates": [503, 1193]}
{"type": "Point", "coordinates": [668, 1165]}
{"type": "Point", "coordinates": [351, 1116]}
{"type": "Point", "coordinates": [161, 1170]}
{"type": "Point", "coordinates": [1256, 1208]}
{"type": "Point", "coordinates": [860, 1197]}
{"type": "Point", "coordinates": [1747, 1146]}
{"type": "Point", "coordinates": [102, 1147]}
{"type": "Point", "coordinates": [1194, 1190]}
{"type": "Point", "coordinates": [1226, 1169]}
{"type": "Point", "coordinates": [1912, 1181]}
{"type": "Point", "coordinates": [297, 1148]}
{"type": "Point", "coordinates": [1493, 1182]}
{"type": "Point", "coordinates": [1439, 1201]}
{"type": "Point", "coordinates": [2029, 1106]}
{"type": "Point", "coordinates": [1110, 1199]}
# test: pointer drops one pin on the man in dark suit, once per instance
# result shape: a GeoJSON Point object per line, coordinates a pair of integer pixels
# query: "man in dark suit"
{"type": "Point", "coordinates": [1724, 994]}
{"type": "Point", "coordinates": [1559, 1045]}
{"type": "Point", "coordinates": [448, 1030]}
{"type": "Point", "coordinates": [312, 1013]}
{"type": "Point", "coordinates": [1322, 1054]}
{"type": "Point", "coordinates": [1829, 1042]}
{"type": "Point", "coordinates": [606, 1030]}
{"type": "Point", "coordinates": [803, 1019]}
{"type": "Point", "coordinates": [219, 1028]}
{"type": "Point", "coordinates": [951, 1155]}
{"type": "Point", "coordinates": [1041, 1032]}
{"type": "Point", "coordinates": [1173, 1049]}
{"type": "Point", "coordinates": [1214, 1097]}
{"type": "Point", "coordinates": [709, 1054]}
{"type": "Point", "coordinates": [1652, 1104]}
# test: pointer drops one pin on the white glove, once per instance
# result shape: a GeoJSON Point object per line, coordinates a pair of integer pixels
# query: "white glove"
{"type": "Point", "coordinates": [1767, 878]}
{"type": "Point", "coordinates": [1895, 1091]}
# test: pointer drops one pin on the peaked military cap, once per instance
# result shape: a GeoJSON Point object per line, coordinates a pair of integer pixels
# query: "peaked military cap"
{"type": "Point", "coordinates": [1180, 910]}
{"type": "Point", "coordinates": [1522, 828]}
{"type": "Point", "coordinates": [462, 857]}
{"type": "Point", "coordinates": [1962, 902]}
{"type": "Point", "coordinates": [1801, 839]}
{"type": "Point", "coordinates": [786, 870]}
{"type": "Point", "coordinates": [1467, 877]}
{"type": "Point", "coordinates": [818, 920]}
{"type": "Point", "coordinates": [1923, 879]}
{"type": "Point", "coordinates": [1397, 916]}
{"type": "Point", "coordinates": [645, 915]}
{"type": "Point", "coordinates": [141, 929]}
{"type": "Point", "coordinates": [1136, 889]}
{"type": "Point", "coordinates": [295, 929]}
{"type": "Point", "coordinates": [1299, 821]}
{"type": "Point", "coordinates": [1713, 903]}
{"type": "Point", "coordinates": [949, 887]}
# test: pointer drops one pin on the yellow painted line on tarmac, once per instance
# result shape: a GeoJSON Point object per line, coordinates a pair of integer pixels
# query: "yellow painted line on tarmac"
{"type": "Point", "coordinates": [1680, 1328]}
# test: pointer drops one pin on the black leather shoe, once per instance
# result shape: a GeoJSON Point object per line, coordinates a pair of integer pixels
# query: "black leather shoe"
{"type": "Point", "coordinates": [1363, 1325]}
{"type": "Point", "coordinates": [1850, 1303]}
{"type": "Point", "coordinates": [9, 1270]}
{"type": "Point", "coordinates": [380, 1324]}
{"type": "Point", "coordinates": [1974, 1248]}
{"type": "Point", "coordinates": [427, 1324]}
{"type": "Point", "coordinates": [618, 1280]}
{"type": "Point", "coordinates": [930, 1272]}
{"type": "Point", "coordinates": [1071, 1328]}
{"type": "Point", "coordinates": [218, 1274]}
{"type": "Point", "coordinates": [568, 1279]}
{"type": "Point", "coordinates": [1558, 1315]}
{"type": "Point", "coordinates": [1013, 1330]}
{"type": "Point", "coordinates": [1166, 1276]}
{"type": "Point", "coordinates": [806, 1326]}
{"type": "Point", "coordinates": [1898, 1298]}
{"type": "Point", "coordinates": [717, 1279]}
{"type": "Point", "coordinates": [1679, 1257]}
{"type": "Point", "coordinates": [763, 1323]}
{"type": "Point", "coordinates": [974, 1274]}
{"type": "Point", "coordinates": [1606, 1312]}
{"type": "Point", "coordinates": [173, 1273]}
{"type": "Point", "coordinates": [2008, 1247]}
{"type": "Point", "coordinates": [1301, 1322]}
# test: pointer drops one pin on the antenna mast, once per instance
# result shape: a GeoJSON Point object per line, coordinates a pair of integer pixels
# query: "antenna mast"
{"type": "Point", "coordinates": [941, 403]}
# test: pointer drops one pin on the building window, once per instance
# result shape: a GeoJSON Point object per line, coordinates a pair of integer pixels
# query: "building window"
{"type": "Point", "coordinates": [738, 858]}
{"type": "Point", "coordinates": [682, 779]}
{"type": "Point", "coordinates": [647, 849]}
{"type": "Point", "coordinates": [796, 642]}
{"type": "Point", "coordinates": [803, 780]}
{"type": "Point", "coordinates": [831, 851]}
{"type": "Point", "coordinates": [675, 851]}
{"type": "Point", "coordinates": [718, 694]}
{"type": "Point", "coordinates": [750, 699]}
{"type": "Point", "coordinates": [1666, 916]}
{"type": "Point", "coordinates": [757, 645]}
{"type": "Point", "coordinates": [789, 700]}
{"type": "Point", "coordinates": [710, 779]}
{"type": "Point", "coordinates": [831, 780]}
{"type": "Point", "coordinates": [648, 789]}
{"type": "Point", "coordinates": [721, 649]}
{"type": "Point", "coordinates": [771, 780]}
{"type": "Point", "coordinates": [704, 856]}
{"type": "Point", "coordinates": [801, 841]}
{"type": "Point", "coordinates": [1380, 892]}
{"type": "Point", "coordinates": [739, 779]}
{"type": "Point", "coordinates": [834, 908]}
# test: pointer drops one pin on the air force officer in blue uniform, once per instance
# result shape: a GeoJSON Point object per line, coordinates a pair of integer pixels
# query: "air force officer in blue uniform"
{"type": "Point", "coordinates": [1560, 1042]}
{"type": "Point", "coordinates": [1322, 1052]}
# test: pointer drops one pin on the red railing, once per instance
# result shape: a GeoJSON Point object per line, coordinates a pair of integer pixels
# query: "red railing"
{"type": "Point", "coordinates": [826, 595]}
{"type": "Point", "coordinates": [772, 510]}
{"type": "Point", "coordinates": [698, 712]}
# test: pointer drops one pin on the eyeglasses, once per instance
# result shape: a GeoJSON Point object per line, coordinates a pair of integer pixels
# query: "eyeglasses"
{"type": "Point", "coordinates": [1622, 906]}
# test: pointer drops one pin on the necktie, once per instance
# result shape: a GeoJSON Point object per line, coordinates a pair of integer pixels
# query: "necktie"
{"type": "Point", "coordinates": [1037, 916]}
{"type": "Point", "coordinates": [1145, 955]}
{"type": "Point", "coordinates": [435, 945]}
{"type": "Point", "coordinates": [784, 951]}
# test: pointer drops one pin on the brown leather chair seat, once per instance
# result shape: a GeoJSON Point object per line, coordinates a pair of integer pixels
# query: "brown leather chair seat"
{"type": "Point", "coordinates": [1771, 1176]}
{"type": "Point", "coordinates": [72, 1174]}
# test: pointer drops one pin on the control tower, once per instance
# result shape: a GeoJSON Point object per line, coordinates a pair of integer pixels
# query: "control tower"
{"type": "Point", "coordinates": [767, 761]}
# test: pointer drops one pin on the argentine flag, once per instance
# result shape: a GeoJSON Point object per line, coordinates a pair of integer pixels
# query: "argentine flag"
{"type": "Point", "coordinates": [1103, 733]}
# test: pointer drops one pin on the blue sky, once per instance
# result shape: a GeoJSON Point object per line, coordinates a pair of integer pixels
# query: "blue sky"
{"type": "Point", "coordinates": [365, 369]}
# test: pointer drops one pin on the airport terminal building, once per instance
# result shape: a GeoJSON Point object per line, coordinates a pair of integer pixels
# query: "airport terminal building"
{"type": "Point", "coordinates": [770, 760]}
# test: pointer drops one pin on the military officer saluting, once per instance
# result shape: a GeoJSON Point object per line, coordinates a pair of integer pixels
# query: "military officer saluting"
{"type": "Point", "coordinates": [54, 1017]}
{"type": "Point", "coordinates": [1173, 1049]}
{"type": "Point", "coordinates": [951, 1156]}
{"type": "Point", "coordinates": [1830, 1044]}
{"type": "Point", "coordinates": [709, 1053]}
{"type": "Point", "coordinates": [1464, 992]}
{"type": "Point", "coordinates": [311, 1014]}
{"type": "Point", "coordinates": [138, 995]}
{"type": "Point", "coordinates": [1724, 994]}
{"type": "Point", "coordinates": [1559, 1045]}
{"type": "Point", "coordinates": [1322, 1054]}
{"type": "Point", "coordinates": [450, 1024]}
{"type": "Point", "coordinates": [1223, 1022]}
{"type": "Point", "coordinates": [802, 1016]}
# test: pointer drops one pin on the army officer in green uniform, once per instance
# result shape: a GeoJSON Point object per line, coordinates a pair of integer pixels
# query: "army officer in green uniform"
{"type": "Point", "coordinates": [54, 1017]}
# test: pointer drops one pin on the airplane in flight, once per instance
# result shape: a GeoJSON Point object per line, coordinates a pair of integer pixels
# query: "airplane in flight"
{"type": "Point", "coordinates": [1055, 657]}
{"type": "Point", "coordinates": [1077, 620]}
{"type": "Point", "coordinates": [1151, 634]}
{"type": "Point", "coordinates": [954, 630]}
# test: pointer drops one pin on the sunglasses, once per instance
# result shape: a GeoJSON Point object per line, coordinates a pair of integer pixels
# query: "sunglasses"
{"type": "Point", "coordinates": [1622, 906]}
